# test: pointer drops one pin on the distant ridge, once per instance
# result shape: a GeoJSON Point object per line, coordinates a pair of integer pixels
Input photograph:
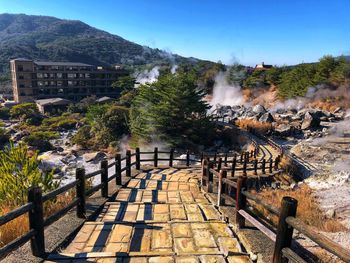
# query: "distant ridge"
{"type": "Point", "coordinates": [50, 38]}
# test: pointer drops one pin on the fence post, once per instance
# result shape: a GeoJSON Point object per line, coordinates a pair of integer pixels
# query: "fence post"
{"type": "Point", "coordinates": [156, 157]}
{"type": "Point", "coordinates": [218, 168]}
{"type": "Point", "coordinates": [80, 192]}
{"type": "Point", "coordinates": [263, 166]}
{"type": "Point", "coordinates": [210, 177]}
{"type": "Point", "coordinates": [118, 173]}
{"type": "Point", "coordinates": [128, 163]}
{"type": "Point", "coordinates": [276, 164]}
{"type": "Point", "coordinates": [104, 178]}
{"type": "Point", "coordinates": [255, 152]}
{"type": "Point", "coordinates": [270, 166]}
{"type": "Point", "coordinates": [233, 168]}
{"type": "Point", "coordinates": [188, 158]}
{"type": "Point", "coordinates": [245, 167]}
{"type": "Point", "coordinates": [202, 156]}
{"type": "Point", "coordinates": [284, 231]}
{"type": "Point", "coordinates": [138, 162]}
{"type": "Point", "coordinates": [241, 201]}
{"type": "Point", "coordinates": [241, 161]}
{"type": "Point", "coordinates": [36, 221]}
{"type": "Point", "coordinates": [215, 157]}
{"type": "Point", "coordinates": [255, 167]}
{"type": "Point", "coordinates": [171, 157]}
{"type": "Point", "coordinates": [225, 160]}
{"type": "Point", "coordinates": [204, 164]}
{"type": "Point", "coordinates": [221, 187]}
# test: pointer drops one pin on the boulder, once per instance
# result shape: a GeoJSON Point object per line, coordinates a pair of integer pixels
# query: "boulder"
{"type": "Point", "coordinates": [266, 117]}
{"type": "Point", "coordinates": [94, 157]}
{"type": "Point", "coordinates": [310, 121]}
{"type": "Point", "coordinates": [259, 109]}
{"type": "Point", "coordinates": [284, 129]}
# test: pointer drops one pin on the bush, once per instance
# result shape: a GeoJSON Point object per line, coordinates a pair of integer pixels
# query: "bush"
{"type": "Point", "coordinates": [4, 137]}
{"type": "Point", "coordinates": [40, 140]}
{"type": "Point", "coordinates": [4, 113]}
{"type": "Point", "coordinates": [19, 171]}
{"type": "Point", "coordinates": [25, 111]}
{"type": "Point", "coordinates": [83, 136]}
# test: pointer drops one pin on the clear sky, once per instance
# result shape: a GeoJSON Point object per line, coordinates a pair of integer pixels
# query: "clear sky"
{"type": "Point", "coordinates": [273, 31]}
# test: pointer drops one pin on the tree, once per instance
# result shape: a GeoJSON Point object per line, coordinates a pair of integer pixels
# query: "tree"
{"type": "Point", "coordinates": [171, 110]}
{"type": "Point", "coordinates": [106, 123]}
{"type": "Point", "coordinates": [125, 84]}
{"type": "Point", "coordinates": [296, 81]}
{"type": "Point", "coordinates": [19, 171]}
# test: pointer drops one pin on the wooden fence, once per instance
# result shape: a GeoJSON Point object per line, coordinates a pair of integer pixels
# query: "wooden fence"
{"type": "Point", "coordinates": [233, 191]}
{"type": "Point", "coordinates": [36, 199]}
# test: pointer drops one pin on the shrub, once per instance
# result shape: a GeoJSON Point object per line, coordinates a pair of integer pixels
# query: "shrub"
{"type": "Point", "coordinates": [4, 113]}
{"type": "Point", "coordinates": [40, 140]}
{"type": "Point", "coordinates": [260, 127]}
{"type": "Point", "coordinates": [4, 138]}
{"type": "Point", "coordinates": [25, 111]}
{"type": "Point", "coordinates": [19, 171]}
{"type": "Point", "coordinates": [83, 136]}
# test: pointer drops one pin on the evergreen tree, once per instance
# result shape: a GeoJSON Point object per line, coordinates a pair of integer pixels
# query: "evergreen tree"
{"type": "Point", "coordinates": [172, 110]}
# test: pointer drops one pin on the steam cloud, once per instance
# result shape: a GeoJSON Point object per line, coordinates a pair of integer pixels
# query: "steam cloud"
{"type": "Point", "coordinates": [226, 94]}
{"type": "Point", "coordinates": [148, 76]}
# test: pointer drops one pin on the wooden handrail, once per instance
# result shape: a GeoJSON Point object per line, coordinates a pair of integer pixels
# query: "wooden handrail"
{"type": "Point", "coordinates": [320, 239]}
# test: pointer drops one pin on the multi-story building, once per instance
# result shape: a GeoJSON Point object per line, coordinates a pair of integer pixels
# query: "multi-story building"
{"type": "Point", "coordinates": [33, 80]}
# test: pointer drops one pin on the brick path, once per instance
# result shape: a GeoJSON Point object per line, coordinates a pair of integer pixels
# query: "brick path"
{"type": "Point", "coordinates": [161, 216]}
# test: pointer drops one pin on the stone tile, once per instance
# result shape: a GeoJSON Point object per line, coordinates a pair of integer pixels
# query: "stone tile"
{"type": "Point", "coordinates": [135, 260]}
{"type": "Point", "coordinates": [203, 238]}
{"type": "Point", "coordinates": [184, 245]}
{"type": "Point", "coordinates": [117, 247]}
{"type": "Point", "coordinates": [229, 244]}
{"type": "Point", "coordinates": [212, 259]}
{"type": "Point", "coordinates": [161, 208]}
{"type": "Point", "coordinates": [161, 239]}
{"type": "Point", "coordinates": [181, 230]}
{"type": "Point", "coordinates": [221, 229]}
{"type": "Point", "coordinates": [238, 259]}
{"type": "Point", "coordinates": [193, 259]}
{"type": "Point", "coordinates": [121, 233]}
{"type": "Point", "coordinates": [177, 212]}
{"type": "Point", "coordinates": [161, 260]}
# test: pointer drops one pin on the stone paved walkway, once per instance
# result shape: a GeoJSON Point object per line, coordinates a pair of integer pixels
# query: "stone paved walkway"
{"type": "Point", "coordinates": [161, 216]}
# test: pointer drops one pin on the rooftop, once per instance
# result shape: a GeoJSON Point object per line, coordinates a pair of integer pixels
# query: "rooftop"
{"type": "Point", "coordinates": [50, 63]}
{"type": "Point", "coordinates": [52, 101]}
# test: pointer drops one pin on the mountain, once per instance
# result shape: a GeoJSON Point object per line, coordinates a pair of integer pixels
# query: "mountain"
{"type": "Point", "coordinates": [50, 38]}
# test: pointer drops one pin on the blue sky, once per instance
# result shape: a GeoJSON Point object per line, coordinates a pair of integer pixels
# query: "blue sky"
{"type": "Point", "coordinates": [273, 31]}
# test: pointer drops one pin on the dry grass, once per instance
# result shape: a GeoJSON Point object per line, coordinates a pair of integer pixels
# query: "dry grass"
{"type": "Point", "coordinates": [308, 208]}
{"type": "Point", "coordinates": [261, 127]}
{"type": "Point", "coordinates": [20, 225]}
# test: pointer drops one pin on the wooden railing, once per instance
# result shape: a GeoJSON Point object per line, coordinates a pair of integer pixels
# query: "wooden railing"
{"type": "Point", "coordinates": [233, 191]}
{"type": "Point", "coordinates": [36, 199]}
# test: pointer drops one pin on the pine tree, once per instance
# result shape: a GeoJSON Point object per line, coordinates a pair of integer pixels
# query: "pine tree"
{"type": "Point", "coordinates": [171, 110]}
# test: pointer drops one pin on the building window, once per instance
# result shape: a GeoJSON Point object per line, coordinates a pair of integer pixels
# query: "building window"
{"type": "Point", "coordinates": [52, 83]}
{"type": "Point", "coordinates": [21, 86]}
{"type": "Point", "coordinates": [54, 67]}
{"type": "Point", "coordinates": [70, 83]}
{"type": "Point", "coordinates": [59, 75]}
{"type": "Point", "coordinates": [70, 75]}
{"type": "Point", "coordinates": [22, 93]}
{"type": "Point", "coordinates": [21, 77]}
{"type": "Point", "coordinates": [20, 68]}
{"type": "Point", "coordinates": [60, 83]}
{"type": "Point", "coordinates": [60, 91]}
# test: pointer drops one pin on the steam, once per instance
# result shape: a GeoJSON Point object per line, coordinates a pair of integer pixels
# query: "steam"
{"type": "Point", "coordinates": [173, 69]}
{"type": "Point", "coordinates": [148, 76]}
{"type": "Point", "coordinates": [226, 94]}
